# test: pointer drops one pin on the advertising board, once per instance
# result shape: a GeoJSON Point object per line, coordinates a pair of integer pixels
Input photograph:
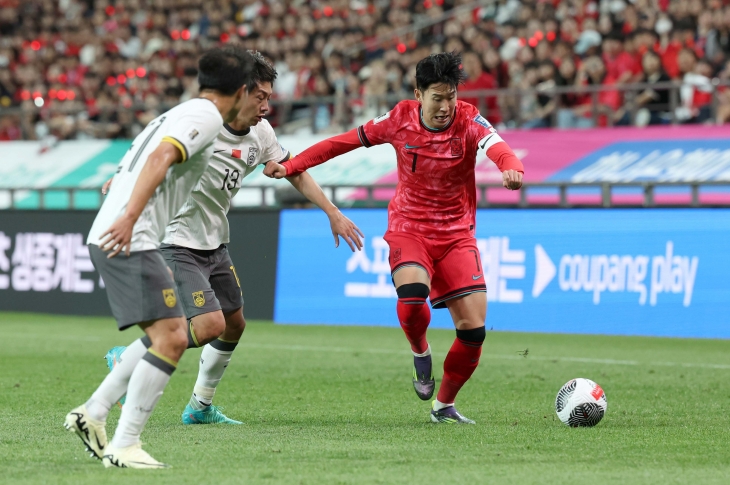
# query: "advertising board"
{"type": "Point", "coordinates": [661, 272]}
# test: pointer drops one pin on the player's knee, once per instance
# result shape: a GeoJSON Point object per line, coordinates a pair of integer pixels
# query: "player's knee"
{"type": "Point", "coordinates": [174, 340]}
{"type": "Point", "coordinates": [472, 335]}
{"type": "Point", "coordinates": [412, 292]}
{"type": "Point", "coordinates": [209, 326]}
{"type": "Point", "coordinates": [235, 322]}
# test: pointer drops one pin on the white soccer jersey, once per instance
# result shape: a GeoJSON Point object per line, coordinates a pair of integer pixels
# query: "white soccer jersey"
{"type": "Point", "coordinates": [192, 127]}
{"type": "Point", "coordinates": [202, 222]}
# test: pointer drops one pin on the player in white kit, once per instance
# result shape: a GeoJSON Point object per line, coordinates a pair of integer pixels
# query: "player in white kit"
{"type": "Point", "coordinates": [195, 242]}
{"type": "Point", "coordinates": [153, 180]}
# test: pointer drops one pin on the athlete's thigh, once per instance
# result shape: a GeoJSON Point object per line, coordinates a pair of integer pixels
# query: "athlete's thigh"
{"type": "Point", "coordinates": [468, 311]}
{"type": "Point", "coordinates": [139, 286]}
{"type": "Point", "coordinates": [457, 272]}
{"type": "Point", "coordinates": [224, 281]}
{"type": "Point", "coordinates": [409, 258]}
{"type": "Point", "coordinates": [191, 273]}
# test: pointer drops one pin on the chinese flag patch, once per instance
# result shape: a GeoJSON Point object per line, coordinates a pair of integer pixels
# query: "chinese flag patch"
{"type": "Point", "coordinates": [236, 153]}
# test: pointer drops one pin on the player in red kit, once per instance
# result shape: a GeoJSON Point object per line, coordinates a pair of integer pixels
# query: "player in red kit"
{"type": "Point", "coordinates": [433, 252]}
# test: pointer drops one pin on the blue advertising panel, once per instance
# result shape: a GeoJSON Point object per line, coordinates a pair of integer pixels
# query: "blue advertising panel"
{"type": "Point", "coordinates": [661, 272]}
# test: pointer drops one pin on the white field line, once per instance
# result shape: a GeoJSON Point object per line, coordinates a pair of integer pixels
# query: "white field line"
{"type": "Point", "coordinates": [365, 350]}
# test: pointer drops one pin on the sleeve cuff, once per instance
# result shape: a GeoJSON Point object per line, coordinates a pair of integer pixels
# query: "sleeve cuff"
{"type": "Point", "coordinates": [179, 146]}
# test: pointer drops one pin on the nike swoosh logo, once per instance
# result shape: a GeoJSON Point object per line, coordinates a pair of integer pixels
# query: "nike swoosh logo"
{"type": "Point", "coordinates": [218, 151]}
{"type": "Point", "coordinates": [486, 140]}
{"type": "Point", "coordinates": [409, 147]}
{"type": "Point", "coordinates": [475, 277]}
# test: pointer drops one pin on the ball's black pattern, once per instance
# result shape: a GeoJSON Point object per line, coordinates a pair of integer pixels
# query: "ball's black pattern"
{"type": "Point", "coordinates": [585, 415]}
{"type": "Point", "coordinates": [564, 395]}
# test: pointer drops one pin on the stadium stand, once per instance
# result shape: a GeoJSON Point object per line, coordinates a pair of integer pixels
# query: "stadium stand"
{"type": "Point", "coordinates": [77, 69]}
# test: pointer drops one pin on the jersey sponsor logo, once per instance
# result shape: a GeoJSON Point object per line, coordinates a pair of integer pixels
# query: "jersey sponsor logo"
{"type": "Point", "coordinates": [480, 120]}
{"type": "Point", "coordinates": [476, 276]}
{"type": "Point", "coordinates": [193, 134]}
{"type": "Point", "coordinates": [169, 296]}
{"type": "Point", "coordinates": [411, 147]}
{"type": "Point", "coordinates": [381, 118]}
{"type": "Point", "coordinates": [236, 153]}
{"type": "Point", "coordinates": [218, 151]}
{"type": "Point", "coordinates": [457, 149]}
{"type": "Point", "coordinates": [252, 155]}
{"type": "Point", "coordinates": [198, 298]}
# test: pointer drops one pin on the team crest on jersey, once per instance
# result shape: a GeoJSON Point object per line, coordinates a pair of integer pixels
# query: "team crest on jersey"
{"type": "Point", "coordinates": [381, 118]}
{"type": "Point", "coordinates": [480, 120]}
{"type": "Point", "coordinates": [169, 296]}
{"type": "Point", "coordinates": [457, 149]}
{"type": "Point", "coordinates": [252, 154]}
{"type": "Point", "coordinates": [396, 255]}
{"type": "Point", "coordinates": [193, 134]}
{"type": "Point", "coordinates": [198, 298]}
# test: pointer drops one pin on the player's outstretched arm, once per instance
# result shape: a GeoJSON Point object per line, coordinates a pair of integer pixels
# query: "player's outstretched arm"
{"type": "Point", "coordinates": [119, 236]}
{"type": "Point", "coordinates": [315, 155]}
{"type": "Point", "coordinates": [341, 225]}
{"type": "Point", "coordinates": [508, 163]}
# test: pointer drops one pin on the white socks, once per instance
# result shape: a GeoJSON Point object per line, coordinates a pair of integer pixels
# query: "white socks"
{"type": "Point", "coordinates": [145, 388]}
{"type": "Point", "coordinates": [438, 405]}
{"type": "Point", "coordinates": [115, 384]}
{"type": "Point", "coordinates": [427, 352]}
{"type": "Point", "coordinates": [213, 363]}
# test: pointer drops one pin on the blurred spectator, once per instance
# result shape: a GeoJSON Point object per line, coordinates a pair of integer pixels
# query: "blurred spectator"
{"type": "Point", "coordinates": [696, 90]}
{"type": "Point", "coordinates": [620, 65]}
{"type": "Point", "coordinates": [478, 80]}
{"type": "Point", "coordinates": [653, 104]}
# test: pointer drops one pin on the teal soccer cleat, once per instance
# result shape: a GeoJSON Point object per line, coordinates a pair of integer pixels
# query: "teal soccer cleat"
{"type": "Point", "coordinates": [113, 357]}
{"type": "Point", "coordinates": [209, 415]}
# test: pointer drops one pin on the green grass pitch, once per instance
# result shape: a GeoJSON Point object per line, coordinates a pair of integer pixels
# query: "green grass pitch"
{"type": "Point", "coordinates": [329, 405]}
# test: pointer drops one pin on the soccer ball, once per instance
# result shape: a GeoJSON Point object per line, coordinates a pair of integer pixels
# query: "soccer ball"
{"type": "Point", "coordinates": [581, 402]}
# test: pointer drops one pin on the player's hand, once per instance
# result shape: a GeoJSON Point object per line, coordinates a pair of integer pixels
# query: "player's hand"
{"type": "Point", "coordinates": [347, 230]}
{"type": "Point", "coordinates": [118, 237]}
{"type": "Point", "coordinates": [107, 185]}
{"type": "Point", "coordinates": [512, 179]}
{"type": "Point", "coordinates": [275, 170]}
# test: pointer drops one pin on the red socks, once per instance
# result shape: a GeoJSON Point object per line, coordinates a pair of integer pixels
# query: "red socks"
{"type": "Point", "coordinates": [460, 363]}
{"type": "Point", "coordinates": [414, 317]}
{"type": "Point", "coordinates": [414, 314]}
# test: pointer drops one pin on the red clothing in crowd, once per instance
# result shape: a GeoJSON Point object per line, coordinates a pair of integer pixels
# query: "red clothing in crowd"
{"type": "Point", "coordinates": [484, 81]}
{"type": "Point", "coordinates": [622, 63]}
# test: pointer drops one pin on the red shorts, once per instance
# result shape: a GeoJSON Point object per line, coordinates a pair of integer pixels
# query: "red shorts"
{"type": "Point", "coordinates": [452, 264]}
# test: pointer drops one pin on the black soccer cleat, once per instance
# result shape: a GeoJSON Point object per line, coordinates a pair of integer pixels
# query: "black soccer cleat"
{"type": "Point", "coordinates": [448, 415]}
{"type": "Point", "coordinates": [423, 381]}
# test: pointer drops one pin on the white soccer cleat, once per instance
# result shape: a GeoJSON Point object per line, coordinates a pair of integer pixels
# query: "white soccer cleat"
{"type": "Point", "coordinates": [130, 457]}
{"type": "Point", "coordinates": [91, 431]}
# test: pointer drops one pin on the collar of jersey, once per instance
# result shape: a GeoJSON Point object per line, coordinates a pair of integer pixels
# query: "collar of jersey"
{"type": "Point", "coordinates": [237, 132]}
{"type": "Point", "coordinates": [434, 130]}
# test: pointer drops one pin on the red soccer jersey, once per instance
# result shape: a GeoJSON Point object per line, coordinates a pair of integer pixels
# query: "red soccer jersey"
{"type": "Point", "coordinates": [436, 193]}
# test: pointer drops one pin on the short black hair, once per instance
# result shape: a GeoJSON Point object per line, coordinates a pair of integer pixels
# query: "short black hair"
{"type": "Point", "coordinates": [262, 71]}
{"type": "Point", "coordinates": [224, 69]}
{"type": "Point", "coordinates": [442, 68]}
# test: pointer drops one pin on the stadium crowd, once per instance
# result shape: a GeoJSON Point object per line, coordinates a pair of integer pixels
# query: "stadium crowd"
{"type": "Point", "coordinates": [86, 68]}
